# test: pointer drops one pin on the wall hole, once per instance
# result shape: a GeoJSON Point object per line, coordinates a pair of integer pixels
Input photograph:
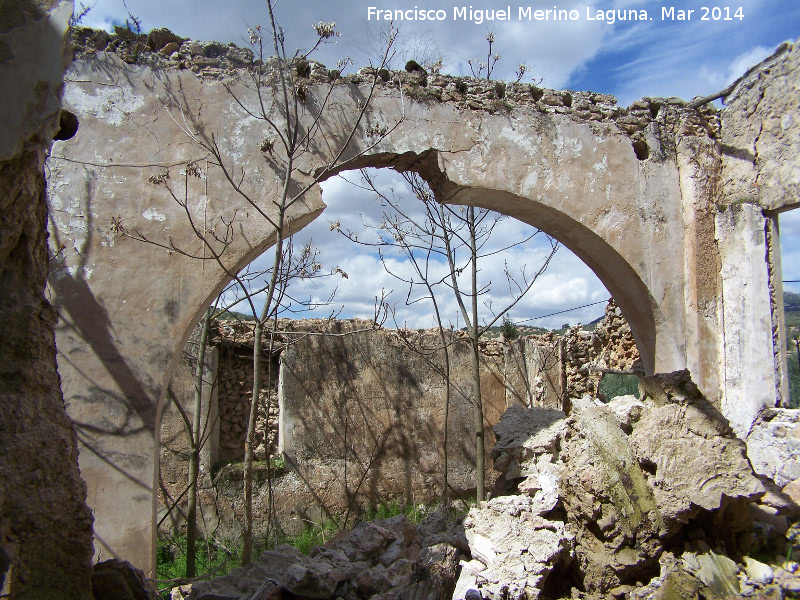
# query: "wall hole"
{"type": "Point", "coordinates": [641, 149]}
{"type": "Point", "coordinates": [654, 108]}
{"type": "Point", "coordinates": [68, 126]}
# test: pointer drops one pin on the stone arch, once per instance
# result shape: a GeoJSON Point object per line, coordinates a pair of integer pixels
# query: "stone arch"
{"type": "Point", "coordinates": [648, 226]}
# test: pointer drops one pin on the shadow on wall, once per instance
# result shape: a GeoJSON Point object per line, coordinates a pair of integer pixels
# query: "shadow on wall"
{"type": "Point", "coordinates": [363, 419]}
{"type": "Point", "coordinates": [128, 410]}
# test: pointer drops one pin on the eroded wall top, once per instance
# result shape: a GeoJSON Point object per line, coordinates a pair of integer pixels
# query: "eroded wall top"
{"type": "Point", "coordinates": [761, 132]}
{"type": "Point", "coordinates": [162, 49]}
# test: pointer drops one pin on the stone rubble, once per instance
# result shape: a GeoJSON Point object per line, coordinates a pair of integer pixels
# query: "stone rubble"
{"type": "Point", "coordinates": [632, 479]}
{"type": "Point", "coordinates": [115, 579]}
{"type": "Point", "coordinates": [382, 560]}
{"type": "Point", "coordinates": [516, 549]}
{"type": "Point", "coordinates": [774, 445]}
{"type": "Point", "coordinates": [639, 499]}
{"type": "Point", "coordinates": [212, 60]}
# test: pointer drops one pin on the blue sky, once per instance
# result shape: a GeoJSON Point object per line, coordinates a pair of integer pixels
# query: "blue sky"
{"type": "Point", "coordinates": [628, 59]}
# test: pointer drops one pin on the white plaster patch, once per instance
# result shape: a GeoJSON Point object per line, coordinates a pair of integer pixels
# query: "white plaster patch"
{"type": "Point", "coordinates": [530, 182]}
{"type": "Point", "coordinates": [520, 139]}
{"type": "Point", "coordinates": [566, 144]}
{"type": "Point", "coordinates": [483, 548]}
{"type": "Point", "coordinates": [151, 214]}
{"type": "Point", "coordinates": [612, 221]}
{"type": "Point", "coordinates": [601, 166]}
{"type": "Point", "coordinates": [244, 125]}
{"type": "Point", "coordinates": [106, 103]}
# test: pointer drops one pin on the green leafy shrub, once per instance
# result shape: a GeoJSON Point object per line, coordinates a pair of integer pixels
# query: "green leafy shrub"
{"type": "Point", "coordinates": [509, 329]}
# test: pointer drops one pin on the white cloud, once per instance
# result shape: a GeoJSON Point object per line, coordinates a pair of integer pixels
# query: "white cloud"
{"type": "Point", "coordinates": [744, 61]}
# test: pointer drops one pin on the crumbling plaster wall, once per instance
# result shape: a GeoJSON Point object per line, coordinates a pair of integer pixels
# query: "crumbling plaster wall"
{"type": "Point", "coordinates": [761, 178]}
{"type": "Point", "coordinates": [42, 497]}
{"type": "Point", "coordinates": [644, 221]}
{"type": "Point", "coordinates": [346, 380]}
{"type": "Point", "coordinates": [368, 402]}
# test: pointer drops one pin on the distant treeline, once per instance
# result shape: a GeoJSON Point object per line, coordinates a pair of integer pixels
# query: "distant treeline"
{"type": "Point", "coordinates": [791, 301]}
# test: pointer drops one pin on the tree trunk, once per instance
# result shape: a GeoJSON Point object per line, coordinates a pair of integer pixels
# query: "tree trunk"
{"type": "Point", "coordinates": [194, 457]}
{"type": "Point", "coordinates": [247, 534]}
{"type": "Point", "coordinates": [480, 443]}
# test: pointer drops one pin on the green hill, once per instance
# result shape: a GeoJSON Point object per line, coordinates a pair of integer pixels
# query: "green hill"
{"type": "Point", "coordinates": [791, 314]}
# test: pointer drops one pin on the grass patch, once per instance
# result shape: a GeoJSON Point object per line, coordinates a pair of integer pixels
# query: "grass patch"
{"type": "Point", "coordinates": [794, 378]}
{"type": "Point", "coordinates": [613, 385]}
{"type": "Point", "coordinates": [171, 553]}
{"type": "Point", "coordinates": [171, 560]}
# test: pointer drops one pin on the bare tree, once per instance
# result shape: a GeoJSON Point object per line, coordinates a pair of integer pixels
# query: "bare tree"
{"type": "Point", "coordinates": [278, 96]}
{"type": "Point", "coordinates": [196, 440]}
{"type": "Point", "coordinates": [457, 236]}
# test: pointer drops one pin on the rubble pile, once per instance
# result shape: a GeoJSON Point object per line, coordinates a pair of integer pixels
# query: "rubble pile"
{"type": "Point", "coordinates": [389, 559]}
{"type": "Point", "coordinates": [514, 549]}
{"type": "Point", "coordinates": [633, 499]}
{"type": "Point", "coordinates": [639, 499]}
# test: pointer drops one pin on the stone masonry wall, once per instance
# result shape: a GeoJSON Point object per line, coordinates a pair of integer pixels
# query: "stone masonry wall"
{"type": "Point", "coordinates": [363, 414]}
{"type": "Point", "coordinates": [571, 366]}
{"type": "Point", "coordinates": [211, 60]}
{"type": "Point", "coordinates": [348, 390]}
{"type": "Point", "coordinates": [44, 519]}
{"type": "Point", "coordinates": [224, 423]}
{"type": "Point", "coordinates": [235, 380]}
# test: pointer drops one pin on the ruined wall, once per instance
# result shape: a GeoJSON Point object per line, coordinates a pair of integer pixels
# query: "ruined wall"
{"type": "Point", "coordinates": [227, 390]}
{"type": "Point", "coordinates": [760, 177]}
{"type": "Point", "coordinates": [349, 390]}
{"type": "Point", "coordinates": [176, 424]}
{"type": "Point", "coordinates": [42, 497]}
{"type": "Point", "coordinates": [632, 191]}
{"type": "Point", "coordinates": [366, 406]}
{"type": "Point", "coordinates": [236, 391]}
{"type": "Point", "coordinates": [550, 371]}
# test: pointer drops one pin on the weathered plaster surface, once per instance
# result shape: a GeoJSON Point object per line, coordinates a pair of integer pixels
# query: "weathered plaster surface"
{"type": "Point", "coordinates": [747, 335]}
{"type": "Point", "coordinates": [33, 55]}
{"type": "Point", "coordinates": [646, 227]}
{"type": "Point", "coordinates": [371, 393]}
{"type": "Point", "coordinates": [759, 177]}
{"type": "Point", "coordinates": [760, 130]}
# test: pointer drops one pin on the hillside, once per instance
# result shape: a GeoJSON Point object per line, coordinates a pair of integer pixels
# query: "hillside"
{"type": "Point", "coordinates": [791, 312]}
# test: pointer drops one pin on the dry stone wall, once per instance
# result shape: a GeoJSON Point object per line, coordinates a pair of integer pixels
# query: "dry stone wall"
{"type": "Point", "coordinates": [162, 49]}
{"type": "Point", "coordinates": [346, 384]}
{"type": "Point", "coordinates": [550, 370]}
{"type": "Point", "coordinates": [235, 382]}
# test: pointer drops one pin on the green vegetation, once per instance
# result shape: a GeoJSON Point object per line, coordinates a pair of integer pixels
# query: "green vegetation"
{"type": "Point", "coordinates": [223, 558]}
{"type": "Point", "coordinates": [509, 330]}
{"type": "Point", "coordinates": [794, 375]}
{"type": "Point", "coordinates": [791, 313]}
{"type": "Point", "coordinates": [232, 315]}
{"type": "Point", "coordinates": [171, 561]}
{"type": "Point", "coordinates": [613, 385]}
